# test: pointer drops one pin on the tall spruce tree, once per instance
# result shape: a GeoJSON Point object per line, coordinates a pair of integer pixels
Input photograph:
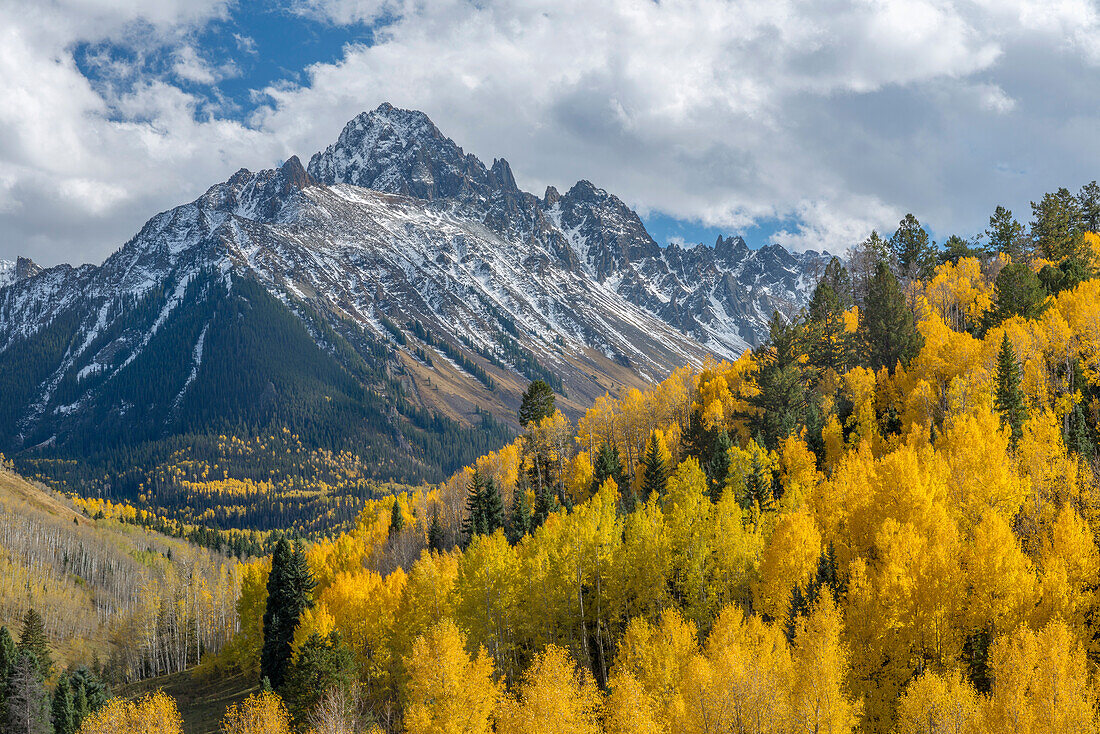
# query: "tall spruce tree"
{"type": "Point", "coordinates": [829, 343]}
{"type": "Point", "coordinates": [435, 533]}
{"type": "Point", "coordinates": [288, 586]}
{"type": "Point", "coordinates": [33, 642]}
{"type": "Point", "coordinates": [492, 507]}
{"type": "Point", "coordinates": [654, 471]}
{"type": "Point", "coordinates": [28, 700]}
{"type": "Point", "coordinates": [519, 519]}
{"type": "Point", "coordinates": [783, 401]}
{"type": "Point", "coordinates": [322, 664]}
{"type": "Point", "coordinates": [718, 468]}
{"type": "Point", "coordinates": [62, 707]}
{"type": "Point", "coordinates": [608, 465]}
{"type": "Point", "coordinates": [1006, 235]}
{"type": "Point", "coordinates": [887, 327]}
{"type": "Point", "coordinates": [537, 403]}
{"type": "Point", "coordinates": [1008, 399]}
{"type": "Point", "coordinates": [397, 518]}
{"type": "Point", "coordinates": [913, 250]}
{"type": "Point", "coordinates": [9, 654]}
{"type": "Point", "coordinates": [474, 522]}
{"type": "Point", "coordinates": [1017, 292]}
{"type": "Point", "coordinates": [1089, 201]}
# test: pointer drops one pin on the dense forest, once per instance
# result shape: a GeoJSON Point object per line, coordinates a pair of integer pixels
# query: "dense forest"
{"type": "Point", "coordinates": [884, 519]}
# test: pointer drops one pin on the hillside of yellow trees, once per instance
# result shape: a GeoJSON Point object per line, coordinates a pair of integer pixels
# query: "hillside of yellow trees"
{"type": "Point", "coordinates": [883, 520]}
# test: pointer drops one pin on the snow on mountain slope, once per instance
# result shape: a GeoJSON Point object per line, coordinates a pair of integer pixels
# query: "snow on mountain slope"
{"type": "Point", "coordinates": [437, 270]}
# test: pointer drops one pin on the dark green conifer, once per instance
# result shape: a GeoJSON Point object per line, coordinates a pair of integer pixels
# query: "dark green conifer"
{"type": "Point", "coordinates": [435, 533]}
{"type": "Point", "coordinates": [1057, 225]}
{"type": "Point", "coordinates": [718, 468]}
{"type": "Point", "coordinates": [492, 507]}
{"type": "Point", "coordinates": [1018, 291]}
{"type": "Point", "coordinates": [289, 586]}
{"type": "Point", "coordinates": [397, 518]}
{"type": "Point", "coordinates": [33, 642]}
{"type": "Point", "coordinates": [1008, 398]}
{"type": "Point", "coordinates": [537, 403]}
{"type": "Point", "coordinates": [655, 473]}
{"type": "Point", "coordinates": [915, 253]}
{"type": "Point", "coordinates": [62, 707]}
{"type": "Point", "coordinates": [519, 520]}
{"type": "Point", "coordinates": [1006, 235]}
{"type": "Point", "coordinates": [608, 465]}
{"type": "Point", "coordinates": [323, 664]}
{"type": "Point", "coordinates": [887, 326]}
{"type": "Point", "coordinates": [474, 522]}
{"type": "Point", "coordinates": [9, 654]}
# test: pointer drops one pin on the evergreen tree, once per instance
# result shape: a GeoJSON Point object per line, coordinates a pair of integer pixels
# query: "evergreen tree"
{"type": "Point", "coordinates": [545, 504]}
{"type": "Point", "coordinates": [80, 706]}
{"type": "Point", "coordinates": [718, 468]}
{"type": "Point", "coordinates": [537, 403]}
{"type": "Point", "coordinates": [62, 707]}
{"type": "Point", "coordinates": [435, 533]}
{"type": "Point", "coordinates": [1078, 437]}
{"type": "Point", "coordinates": [863, 261]}
{"type": "Point", "coordinates": [783, 402]}
{"type": "Point", "coordinates": [887, 327]}
{"type": "Point", "coordinates": [492, 507]}
{"type": "Point", "coordinates": [1017, 292]}
{"type": "Point", "coordinates": [323, 664]}
{"type": "Point", "coordinates": [28, 700]}
{"type": "Point", "coordinates": [608, 465]}
{"type": "Point", "coordinates": [288, 586]}
{"type": "Point", "coordinates": [655, 472]}
{"type": "Point", "coordinates": [9, 655]}
{"type": "Point", "coordinates": [1057, 225]}
{"type": "Point", "coordinates": [474, 522]}
{"type": "Point", "coordinates": [1008, 398]}
{"type": "Point", "coordinates": [1089, 202]}
{"type": "Point", "coordinates": [695, 440]}
{"type": "Point", "coordinates": [829, 345]}
{"type": "Point", "coordinates": [33, 642]}
{"type": "Point", "coordinates": [397, 518]}
{"type": "Point", "coordinates": [1006, 235]}
{"type": "Point", "coordinates": [955, 248]}
{"type": "Point", "coordinates": [91, 689]}
{"type": "Point", "coordinates": [94, 690]}
{"type": "Point", "coordinates": [519, 520]}
{"type": "Point", "coordinates": [915, 253]}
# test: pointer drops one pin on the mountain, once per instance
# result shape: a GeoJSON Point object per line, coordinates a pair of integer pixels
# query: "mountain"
{"type": "Point", "coordinates": [391, 299]}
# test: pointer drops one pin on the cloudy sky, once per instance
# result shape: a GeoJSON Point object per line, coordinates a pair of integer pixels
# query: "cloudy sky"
{"type": "Point", "coordinates": [806, 123]}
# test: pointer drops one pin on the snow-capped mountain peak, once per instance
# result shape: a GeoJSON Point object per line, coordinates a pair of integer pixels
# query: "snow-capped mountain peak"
{"type": "Point", "coordinates": [403, 258]}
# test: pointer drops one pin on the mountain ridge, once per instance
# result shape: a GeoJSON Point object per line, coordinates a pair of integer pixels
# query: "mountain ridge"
{"type": "Point", "coordinates": [434, 285]}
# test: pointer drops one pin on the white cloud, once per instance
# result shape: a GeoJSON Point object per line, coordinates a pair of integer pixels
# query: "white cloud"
{"type": "Point", "coordinates": [190, 66]}
{"type": "Point", "coordinates": [841, 114]}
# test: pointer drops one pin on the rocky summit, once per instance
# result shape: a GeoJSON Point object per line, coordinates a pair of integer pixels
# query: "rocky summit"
{"type": "Point", "coordinates": [411, 288]}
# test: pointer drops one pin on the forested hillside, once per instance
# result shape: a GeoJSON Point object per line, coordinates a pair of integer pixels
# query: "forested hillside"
{"type": "Point", "coordinates": [883, 519]}
{"type": "Point", "coordinates": [139, 603]}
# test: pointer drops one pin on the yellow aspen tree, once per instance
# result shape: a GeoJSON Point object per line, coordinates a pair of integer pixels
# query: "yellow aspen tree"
{"type": "Point", "coordinates": [260, 713]}
{"type": "Point", "coordinates": [629, 709]}
{"type": "Point", "coordinates": [487, 603]}
{"type": "Point", "coordinates": [741, 682]}
{"type": "Point", "coordinates": [657, 658]}
{"type": "Point", "coordinates": [1041, 683]}
{"type": "Point", "coordinates": [155, 713]}
{"type": "Point", "coordinates": [1000, 577]}
{"type": "Point", "coordinates": [688, 511]}
{"type": "Point", "coordinates": [788, 562]}
{"type": "Point", "coordinates": [940, 704]}
{"type": "Point", "coordinates": [1070, 566]}
{"type": "Point", "coordinates": [447, 691]}
{"type": "Point", "coordinates": [554, 697]}
{"type": "Point", "coordinates": [820, 700]}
